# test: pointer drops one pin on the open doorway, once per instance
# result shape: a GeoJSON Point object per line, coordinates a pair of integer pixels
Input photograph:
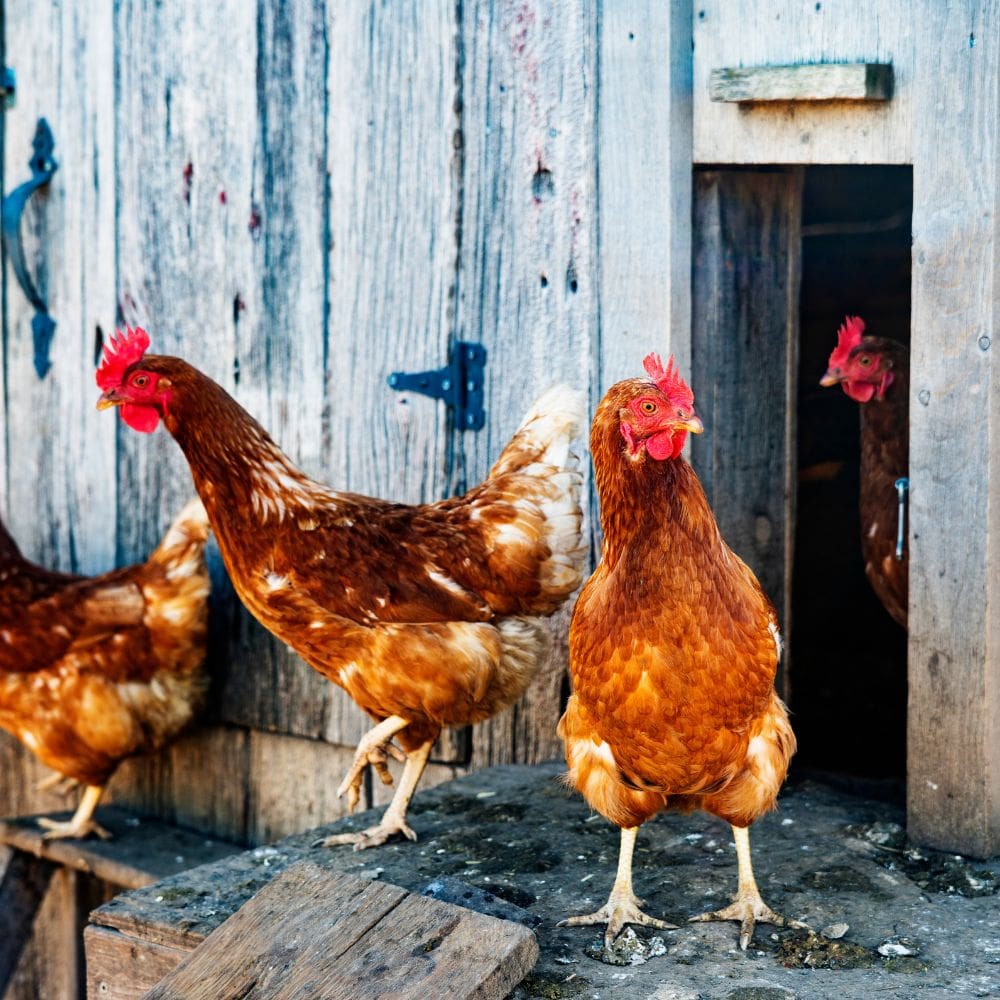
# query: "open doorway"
{"type": "Point", "coordinates": [848, 688]}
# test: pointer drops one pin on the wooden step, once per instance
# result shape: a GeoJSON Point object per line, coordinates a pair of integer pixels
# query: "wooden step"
{"type": "Point", "coordinates": [315, 932]}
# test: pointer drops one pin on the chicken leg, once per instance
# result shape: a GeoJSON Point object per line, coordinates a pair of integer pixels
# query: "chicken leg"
{"type": "Point", "coordinates": [374, 748]}
{"type": "Point", "coordinates": [82, 823]}
{"type": "Point", "coordinates": [57, 784]}
{"type": "Point", "coordinates": [394, 818]}
{"type": "Point", "coordinates": [622, 907]}
{"type": "Point", "coordinates": [747, 906]}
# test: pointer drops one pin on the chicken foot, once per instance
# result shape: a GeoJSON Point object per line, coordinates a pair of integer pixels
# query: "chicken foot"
{"type": "Point", "coordinates": [394, 818]}
{"type": "Point", "coordinates": [82, 823]}
{"type": "Point", "coordinates": [623, 906]}
{"type": "Point", "coordinates": [374, 748]}
{"type": "Point", "coordinates": [747, 906]}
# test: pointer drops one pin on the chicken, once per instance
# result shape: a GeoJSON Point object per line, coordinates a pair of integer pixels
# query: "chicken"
{"type": "Point", "coordinates": [875, 372]}
{"type": "Point", "coordinates": [429, 615]}
{"type": "Point", "coordinates": [97, 669]}
{"type": "Point", "coordinates": [673, 652]}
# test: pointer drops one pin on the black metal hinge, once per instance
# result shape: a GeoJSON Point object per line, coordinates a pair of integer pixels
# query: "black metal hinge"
{"type": "Point", "coordinates": [460, 384]}
{"type": "Point", "coordinates": [8, 88]}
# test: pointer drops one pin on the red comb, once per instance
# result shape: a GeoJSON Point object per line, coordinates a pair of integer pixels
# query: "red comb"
{"type": "Point", "coordinates": [668, 380]}
{"type": "Point", "coordinates": [848, 337]}
{"type": "Point", "coordinates": [123, 351]}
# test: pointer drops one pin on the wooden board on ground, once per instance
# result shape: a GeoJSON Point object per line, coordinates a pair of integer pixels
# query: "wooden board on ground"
{"type": "Point", "coordinates": [143, 850]}
{"type": "Point", "coordinates": [358, 938]}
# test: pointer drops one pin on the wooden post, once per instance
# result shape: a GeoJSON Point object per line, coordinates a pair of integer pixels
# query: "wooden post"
{"type": "Point", "coordinates": [745, 326]}
{"type": "Point", "coordinates": [22, 889]}
{"type": "Point", "coordinates": [644, 186]}
{"type": "Point", "coordinates": [953, 745]}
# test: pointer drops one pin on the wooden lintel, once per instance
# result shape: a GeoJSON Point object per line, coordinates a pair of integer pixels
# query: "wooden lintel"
{"type": "Point", "coordinates": [22, 889]}
{"type": "Point", "coordinates": [804, 82]}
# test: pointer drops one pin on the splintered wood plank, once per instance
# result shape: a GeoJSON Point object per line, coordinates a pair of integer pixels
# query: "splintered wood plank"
{"type": "Point", "coordinates": [121, 967]}
{"type": "Point", "coordinates": [23, 881]}
{"type": "Point", "coordinates": [60, 494]}
{"type": "Point", "coordinates": [803, 82]}
{"type": "Point", "coordinates": [528, 275]}
{"type": "Point", "coordinates": [644, 186]}
{"type": "Point", "coordinates": [313, 932]}
{"type": "Point", "coordinates": [953, 745]}
{"type": "Point", "coordinates": [142, 852]}
{"type": "Point", "coordinates": [769, 33]}
{"type": "Point", "coordinates": [747, 262]}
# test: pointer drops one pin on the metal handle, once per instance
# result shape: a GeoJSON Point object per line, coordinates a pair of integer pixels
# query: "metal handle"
{"type": "Point", "coordinates": [902, 494]}
{"type": "Point", "coordinates": [43, 166]}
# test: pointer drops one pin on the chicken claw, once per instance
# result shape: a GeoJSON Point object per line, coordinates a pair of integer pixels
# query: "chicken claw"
{"type": "Point", "coordinates": [747, 906]}
{"type": "Point", "coordinates": [618, 911]}
{"type": "Point", "coordinates": [372, 837]}
{"type": "Point", "coordinates": [623, 906]}
{"type": "Point", "coordinates": [749, 910]}
{"type": "Point", "coordinates": [374, 748]}
{"type": "Point", "coordinates": [72, 829]}
{"type": "Point", "coordinates": [394, 818]}
{"type": "Point", "coordinates": [81, 824]}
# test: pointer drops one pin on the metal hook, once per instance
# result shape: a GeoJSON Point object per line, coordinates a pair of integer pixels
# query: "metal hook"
{"type": "Point", "coordinates": [43, 166]}
{"type": "Point", "coordinates": [902, 495]}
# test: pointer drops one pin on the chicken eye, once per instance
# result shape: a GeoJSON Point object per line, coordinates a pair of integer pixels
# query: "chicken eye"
{"type": "Point", "coordinates": [864, 360]}
{"type": "Point", "coordinates": [140, 381]}
{"type": "Point", "coordinates": [648, 406]}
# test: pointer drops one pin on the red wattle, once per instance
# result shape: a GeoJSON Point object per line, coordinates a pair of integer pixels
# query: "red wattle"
{"type": "Point", "coordinates": [666, 444]}
{"type": "Point", "coordinates": [860, 392]}
{"type": "Point", "coordinates": [140, 418]}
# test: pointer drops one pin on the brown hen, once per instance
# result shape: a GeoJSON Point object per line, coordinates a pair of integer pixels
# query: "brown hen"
{"type": "Point", "coordinates": [875, 372]}
{"type": "Point", "coordinates": [428, 615]}
{"type": "Point", "coordinates": [673, 652]}
{"type": "Point", "coordinates": [97, 669]}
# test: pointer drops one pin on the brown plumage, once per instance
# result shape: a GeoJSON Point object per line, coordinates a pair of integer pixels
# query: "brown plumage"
{"type": "Point", "coordinates": [673, 650]}
{"type": "Point", "coordinates": [97, 669]}
{"type": "Point", "coordinates": [427, 615]}
{"type": "Point", "coordinates": [875, 372]}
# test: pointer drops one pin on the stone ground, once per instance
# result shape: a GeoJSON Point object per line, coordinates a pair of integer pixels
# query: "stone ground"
{"type": "Point", "coordinates": [513, 841]}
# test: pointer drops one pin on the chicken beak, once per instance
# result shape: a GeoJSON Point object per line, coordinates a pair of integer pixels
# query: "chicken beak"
{"type": "Point", "coordinates": [693, 424]}
{"type": "Point", "coordinates": [828, 379]}
{"type": "Point", "coordinates": [109, 399]}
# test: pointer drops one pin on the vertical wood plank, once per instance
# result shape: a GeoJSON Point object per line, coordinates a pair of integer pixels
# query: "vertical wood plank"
{"type": "Point", "coordinates": [185, 134]}
{"type": "Point", "coordinates": [953, 745]}
{"type": "Point", "coordinates": [644, 134]}
{"type": "Point", "coordinates": [200, 782]}
{"type": "Point", "coordinates": [747, 267]}
{"type": "Point", "coordinates": [279, 321]}
{"type": "Point", "coordinates": [393, 150]}
{"type": "Point", "coordinates": [528, 277]}
{"type": "Point", "coordinates": [60, 475]}
{"type": "Point", "coordinates": [23, 881]}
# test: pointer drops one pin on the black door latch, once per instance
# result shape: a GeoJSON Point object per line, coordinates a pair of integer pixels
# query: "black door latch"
{"type": "Point", "coordinates": [460, 384]}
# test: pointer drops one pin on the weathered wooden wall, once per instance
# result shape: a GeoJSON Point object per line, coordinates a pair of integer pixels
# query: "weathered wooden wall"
{"type": "Point", "coordinates": [301, 198]}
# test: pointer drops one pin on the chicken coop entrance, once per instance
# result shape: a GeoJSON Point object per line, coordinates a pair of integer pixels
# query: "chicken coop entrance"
{"type": "Point", "coordinates": [848, 656]}
{"type": "Point", "coordinates": [781, 255]}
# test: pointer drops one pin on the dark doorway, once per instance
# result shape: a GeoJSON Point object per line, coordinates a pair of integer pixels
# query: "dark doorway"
{"type": "Point", "coordinates": [848, 657]}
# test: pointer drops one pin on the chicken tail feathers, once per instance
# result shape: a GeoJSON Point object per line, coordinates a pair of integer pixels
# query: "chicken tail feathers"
{"type": "Point", "coordinates": [557, 417]}
{"type": "Point", "coordinates": [184, 543]}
